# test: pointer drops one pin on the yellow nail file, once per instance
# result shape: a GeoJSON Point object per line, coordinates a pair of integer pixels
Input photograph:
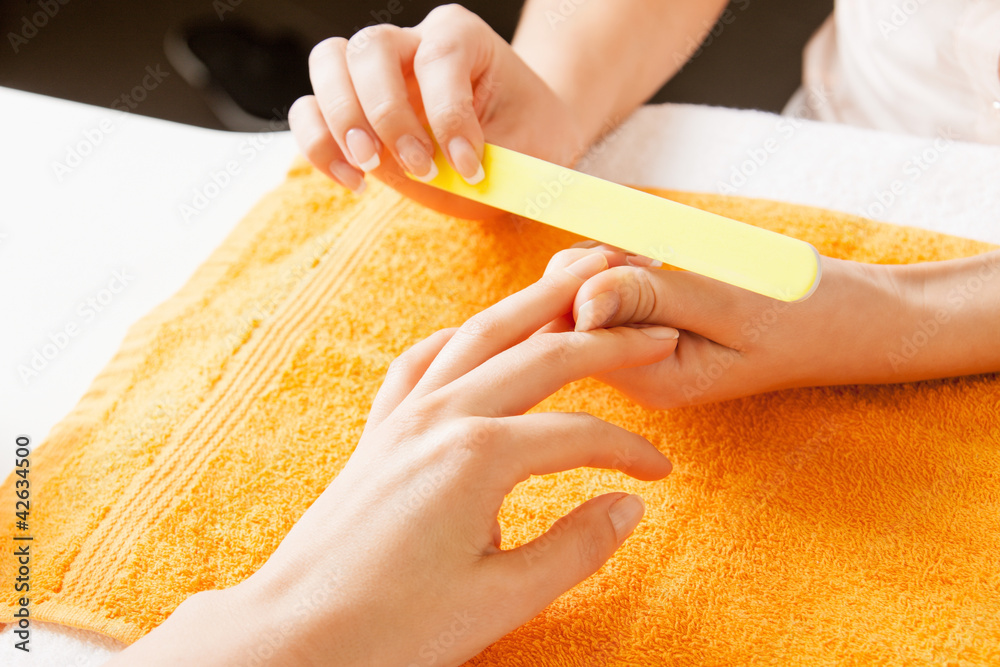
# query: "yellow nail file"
{"type": "Point", "coordinates": [756, 259]}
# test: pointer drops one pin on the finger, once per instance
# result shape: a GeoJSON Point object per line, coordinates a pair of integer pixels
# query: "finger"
{"type": "Point", "coordinates": [511, 320]}
{"type": "Point", "coordinates": [699, 371]}
{"type": "Point", "coordinates": [455, 50]}
{"type": "Point", "coordinates": [679, 299]}
{"type": "Point", "coordinates": [314, 140]}
{"type": "Point", "coordinates": [376, 57]}
{"type": "Point", "coordinates": [517, 379]}
{"type": "Point", "coordinates": [547, 442]}
{"type": "Point", "coordinates": [575, 547]}
{"type": "Point", "coordinates": [628, 258]}
{"type": "Point", "coordinates": [403, 374]}
{"type": "Point", "coordinates": [339, 105]}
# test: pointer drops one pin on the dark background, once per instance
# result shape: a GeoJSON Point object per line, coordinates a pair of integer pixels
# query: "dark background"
{"type": "Point", "coordinates": [94, 51]}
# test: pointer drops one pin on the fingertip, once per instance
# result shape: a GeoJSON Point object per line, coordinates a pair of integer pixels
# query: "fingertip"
{"type": "Point", "coordinates": [465, 159]}
{"type": "Point", "coordinates": [625, 514]}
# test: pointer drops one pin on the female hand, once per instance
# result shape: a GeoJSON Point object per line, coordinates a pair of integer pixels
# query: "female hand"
{"type": "Point", "coordinates": [375, 93]}
{"type": "Point", "coordinates": [865, 324]}
{"type": "Point", "coordinates": [398, 561]}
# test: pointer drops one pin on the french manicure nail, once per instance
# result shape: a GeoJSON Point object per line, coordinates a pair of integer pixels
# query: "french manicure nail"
{"type": "Point", "coordinates": [598, 311]}
{"type": "Point", "coordinates": [643, 261]}
{"type": "Point", "coordinates": [661, 333]}
{"type": "Point", "coordinates": [466, 162]}
{"type": "Point", "coordinates": [415, 158]}
{"type": "Point", "coordinates": [625, 513]}
{"type": "Point", "coordinates": [348, 176]}
{"type": "Point", "coordinates": [363, 149]}
{"type": "Point", "coordinates": [587, 266]}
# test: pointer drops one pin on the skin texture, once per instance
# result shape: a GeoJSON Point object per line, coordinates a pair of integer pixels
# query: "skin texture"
{"type": "Point", "coordinates": [415, 508]}
{"type": "Point", "coordinates": [865, 324]}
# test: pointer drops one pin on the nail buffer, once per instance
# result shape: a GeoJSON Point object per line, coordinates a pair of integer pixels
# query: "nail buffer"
{"type": "Point", "coordinates": [688, 238]}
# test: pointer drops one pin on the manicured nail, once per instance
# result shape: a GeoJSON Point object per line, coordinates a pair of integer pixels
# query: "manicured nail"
{"type": "Point", "coordinates": [661, 333]}
{"type": "Point", "coordinates": [415, 158]}
{"type": "Point", "coordinates": [363, 149]}
{"type": "Point", "coordinates": [466, 162]}
{"type": "Point", "coordinates": [586, 244]}
{"type": "Point", "coordinates": [588, 266]}
{"type": "Point", "coordinates": [598, 311]}
{"type": "Point", "coordinates": [626, 513]}
{"type": "Point", "coordinates": [348, 176]}
{"type": "Point", "coordinates": [643, 261]}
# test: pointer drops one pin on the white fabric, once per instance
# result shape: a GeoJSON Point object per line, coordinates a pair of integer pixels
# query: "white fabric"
{"type": "Point", "coordinates": [927, 67]}
{"type": "Point", "coordinates": [61, 240]}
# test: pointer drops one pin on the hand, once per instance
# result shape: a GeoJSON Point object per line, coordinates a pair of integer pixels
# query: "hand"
{"type": "Point", "coordinates": [403, 547]}
{"type": "Point", "coordinates": [375, 93]}
{"type": "Point", "coordinates": [736, 343]}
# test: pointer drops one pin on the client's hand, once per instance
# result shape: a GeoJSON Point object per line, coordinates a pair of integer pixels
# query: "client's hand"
{"type": "Point", "coordinates": [865, 323]}
{"type": "Point", "coordinates": [398, 561]}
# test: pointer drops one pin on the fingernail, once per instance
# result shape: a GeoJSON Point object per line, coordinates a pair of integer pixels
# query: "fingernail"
{"type": "Point", "coordinates": [625, 513]}
{"type": "Point", "coordinates": [466, 162]}
{"type": "Point", "coordinates": [598, 311]}
{"type": "Point", "coordinates": [586, 244]}
{"type": "Point", "coordinates": [643, 261]}
{"type": "Point", "coordinates": [661, 333]}
{"type": "Point", "coordinates": [415, 158]}
{"type": "Point", "coordinates": [348, 176]}
{"type": "Point", "coordinates": [363, 149]}
{"type": "Point", "coordinates": [588, 266]}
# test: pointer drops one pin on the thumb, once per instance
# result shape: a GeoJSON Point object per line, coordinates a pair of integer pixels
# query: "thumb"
{"type": "Point", "coordinates": [680, 299]}
{"type": "Point", "coordinates": [575, 547]}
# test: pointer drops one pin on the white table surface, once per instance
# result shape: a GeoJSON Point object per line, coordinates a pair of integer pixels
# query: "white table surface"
{"type": "Point", "coordinates": [64, 235]}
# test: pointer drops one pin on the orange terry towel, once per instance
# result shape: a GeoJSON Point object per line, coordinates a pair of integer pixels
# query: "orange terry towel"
{"type": "Point", "coordinates": [847, 524]}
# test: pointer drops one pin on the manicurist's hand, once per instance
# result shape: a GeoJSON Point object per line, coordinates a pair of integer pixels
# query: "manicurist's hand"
{"type": "Point", "coordinates": [399, 562]}
{"type": "Point", "coordinates": [376, 93]}
{"type": "Point", "coordinates": [865, 323]}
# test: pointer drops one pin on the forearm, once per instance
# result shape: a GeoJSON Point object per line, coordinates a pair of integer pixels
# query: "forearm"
{"type": "Point", "coordinates": [606, 57]}
{"type": "Point", "coordinates": [955, 327]}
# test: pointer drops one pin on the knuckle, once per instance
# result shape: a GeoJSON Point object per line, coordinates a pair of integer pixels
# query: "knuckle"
{"type": "Point", "coordinates": [449, 12]}
{"type": "Point", "coordinates": [338, 106]}
{"type": "Point", "coordinates": [482, 327]}
{"type": "Point", "coordinates": [327, 47]}
{"type": "Point", "coordinates": [563, 258]}
{"type": "Point", "coordinates": [449, 115]}
{"type": "Point", "coordinates": [478, 433]}
{"type": "Point", "coordinates": [434, 49]}
{"type": "Point", "coordinates": [366, 36]}
{"type": "Point", "coordinates": [402, 369]}
{"type": "Point", "coordinates": [380, 113]}
{"type": "Point", "coordinates": [550, 350]}
{"type": "Point", "coordinates": [593, 544]}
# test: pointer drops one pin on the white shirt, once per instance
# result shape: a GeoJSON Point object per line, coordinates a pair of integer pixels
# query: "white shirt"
{"type": "Point", "coordinates": [926, 67]}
